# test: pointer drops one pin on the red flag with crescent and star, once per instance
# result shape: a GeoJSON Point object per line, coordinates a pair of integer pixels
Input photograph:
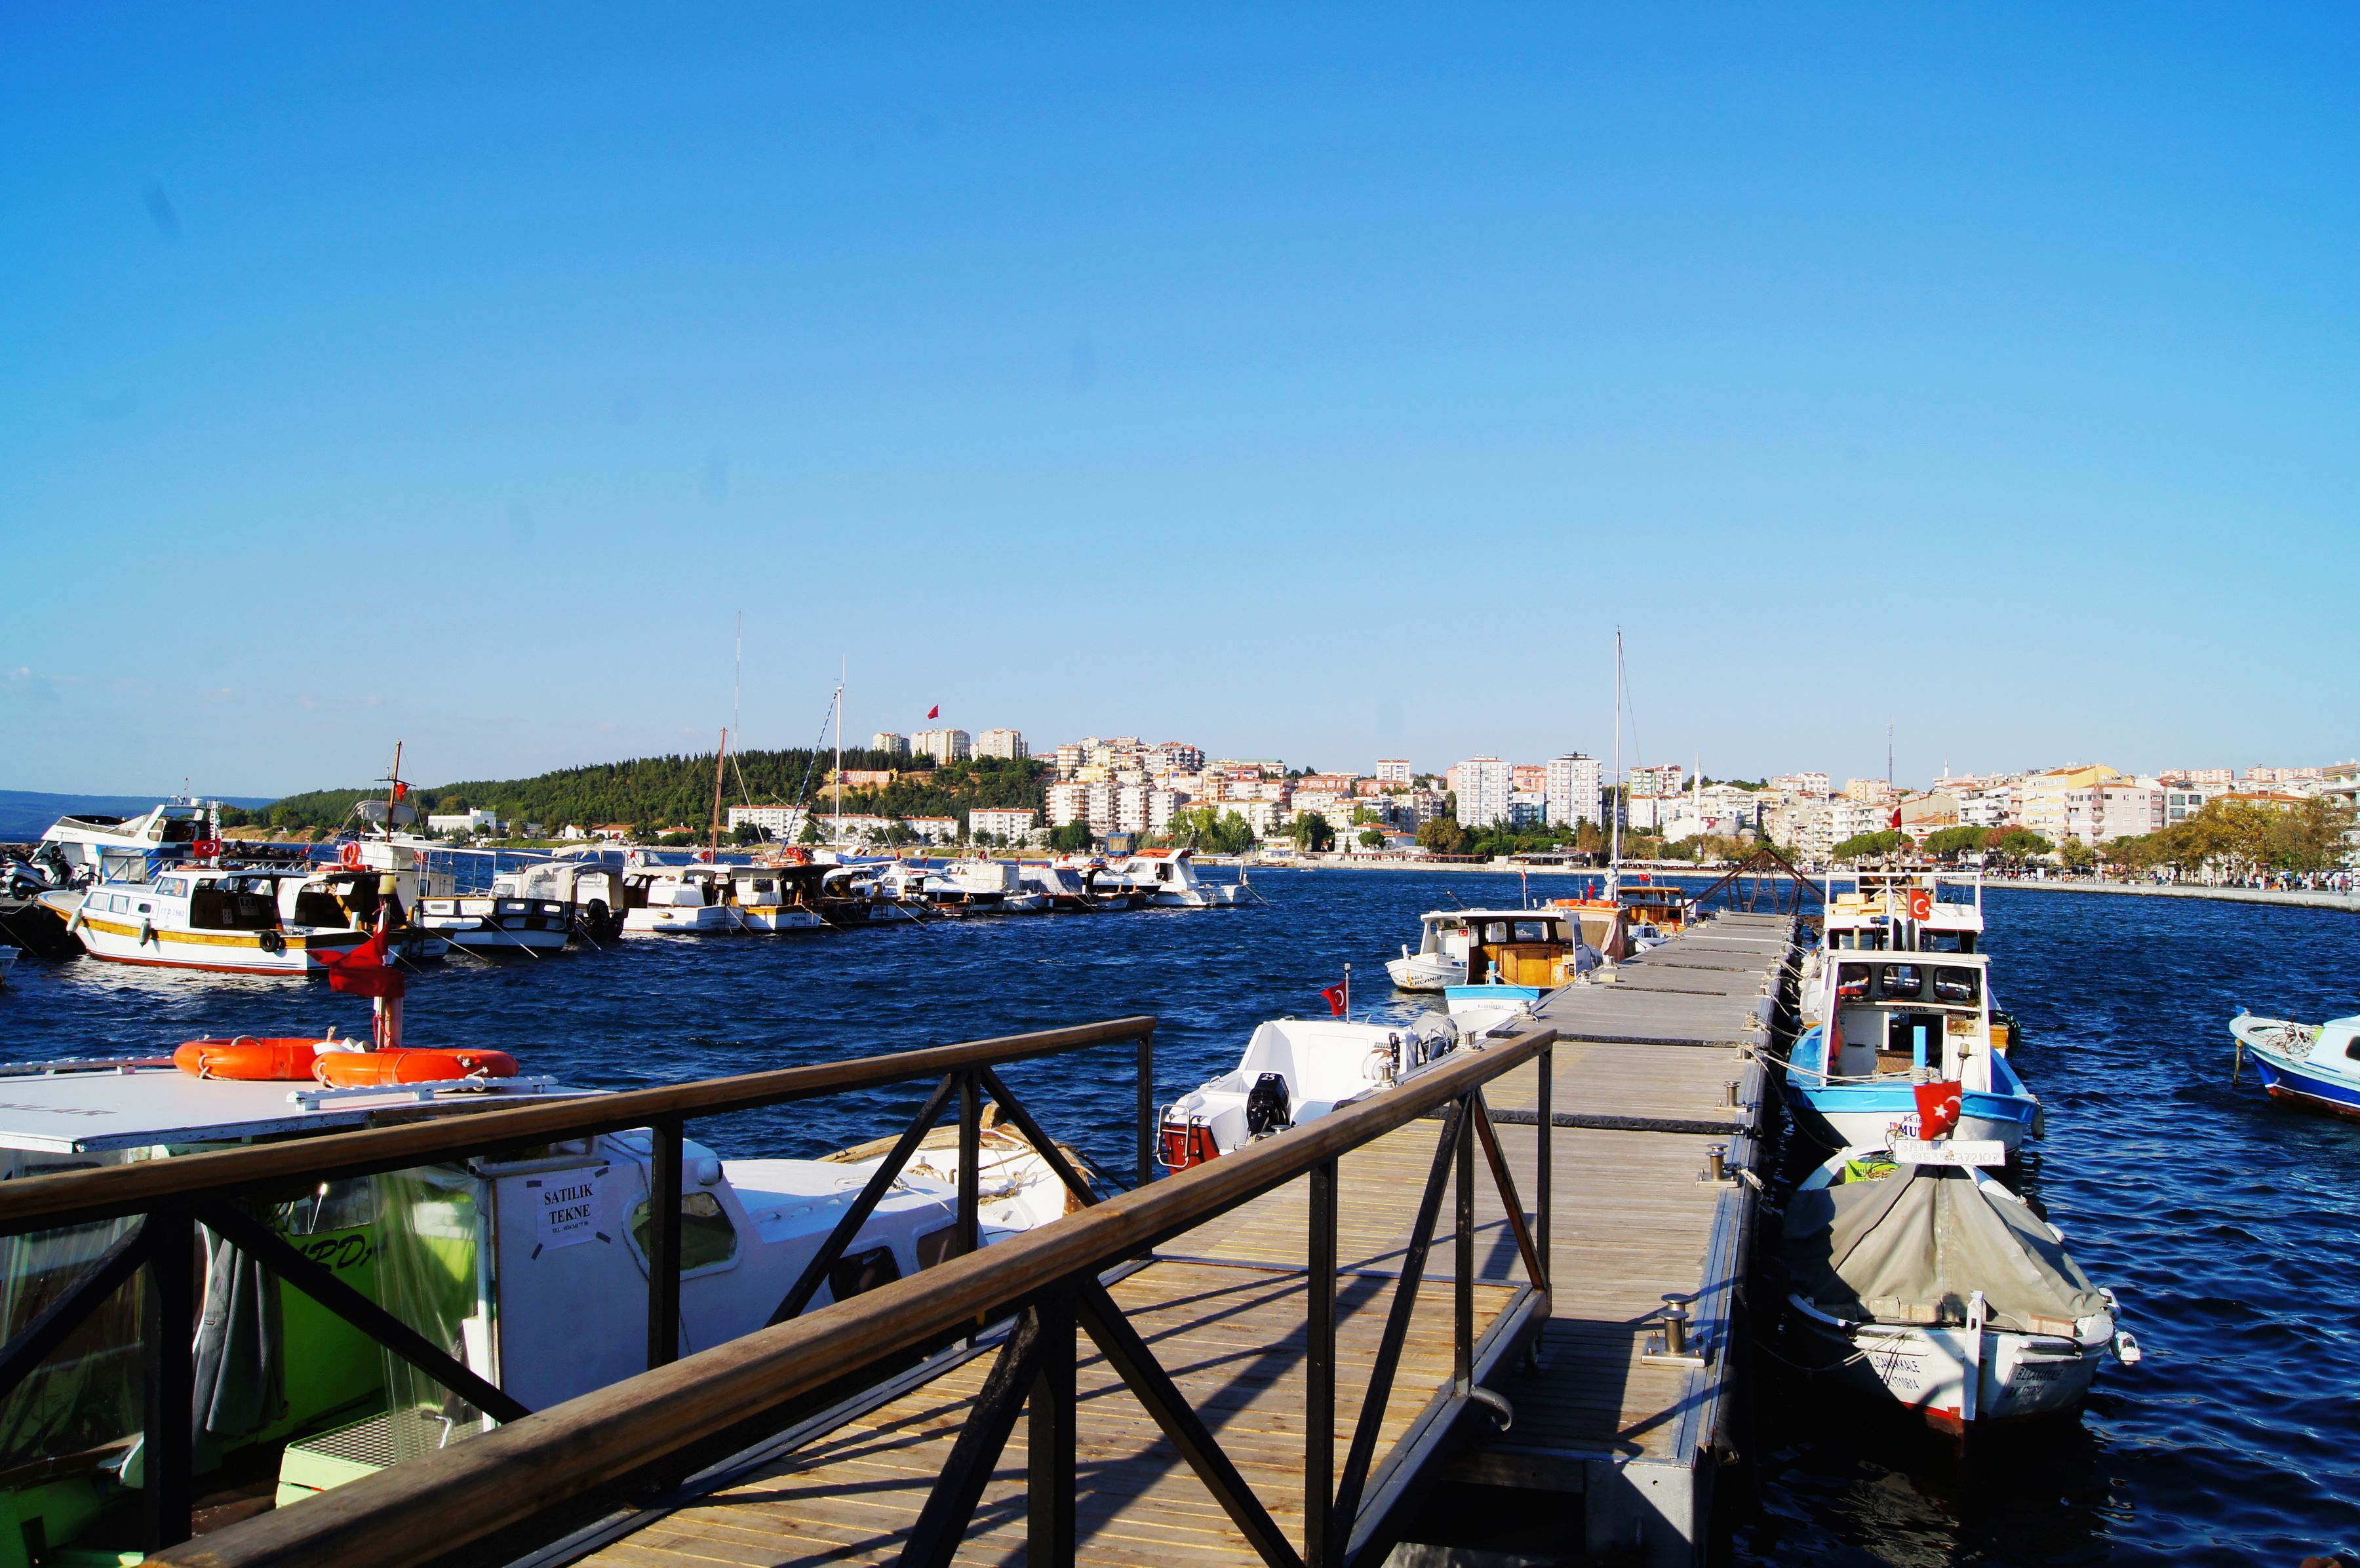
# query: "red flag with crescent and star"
{"type": "Point", "coordinates": [1938, 1108]}
{"type": "Point", "coordinates": [935, 712]}
{"type": "Point", "coordinates": [1335, 995]}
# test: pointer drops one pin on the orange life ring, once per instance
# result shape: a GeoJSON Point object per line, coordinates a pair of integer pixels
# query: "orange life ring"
{"type": "Point", "coordinates": [368, 1069]}
{"type": "Point", "coordinates": [349, 857]}
{"type": "Point", "coordinates": [246, 1057]}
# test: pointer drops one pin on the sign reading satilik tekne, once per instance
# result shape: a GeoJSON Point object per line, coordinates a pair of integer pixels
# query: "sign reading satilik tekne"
{"type": "Point", "coordinates": [569, 1209]}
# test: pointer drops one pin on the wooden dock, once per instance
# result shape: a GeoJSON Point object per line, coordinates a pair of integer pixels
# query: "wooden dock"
{"type": "Point", "coordinates": [1618, 1446]}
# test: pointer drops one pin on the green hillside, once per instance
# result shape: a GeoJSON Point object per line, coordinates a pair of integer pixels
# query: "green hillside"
{"type": "Point", "coordinates": [662, 791]}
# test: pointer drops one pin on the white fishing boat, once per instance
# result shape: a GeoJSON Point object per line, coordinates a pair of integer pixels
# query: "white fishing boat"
{"type": "Point", "coordinates": [779, 897]}
{"type": "Point", "coordinates": [1295, 1071]}
{"type": "Point", "coordinates": [1166, 878]}
{"type": "Point", "coordinates": [588, 880]}
{"type": "Point", "coordinates": [1515, 960]}
{"type": "Point", "coordinates": [678, 901]}
{"type": "Point", "coordinates": [1924, 1281]}
{"type": "Point", "coordinates": [227, 919]}
{"type": "Point", "coordinates": [99, 848]}
{"type": "Point", "coordinates": [1885, 1032]}
{"type": "Point", "coordinates": [965, 886]}
{"type": "Point", "coordinates": [1904, 906]}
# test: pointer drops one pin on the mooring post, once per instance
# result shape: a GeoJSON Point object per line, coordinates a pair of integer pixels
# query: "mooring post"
{"type": "Point", "coordinates": [664, 1242]}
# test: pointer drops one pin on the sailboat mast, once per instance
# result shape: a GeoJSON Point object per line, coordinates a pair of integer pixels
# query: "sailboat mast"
{"type": "Point", "coordinates": [836, 837]}
{"type": "Point", "coordinates": [1614, 871]}
{"type": "Point", "coordinates": [719, 762]}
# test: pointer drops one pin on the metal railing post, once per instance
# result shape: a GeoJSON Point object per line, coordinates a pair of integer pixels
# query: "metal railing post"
{"type": "Point", "coordinates": [971, 1171]}
{"type": "Point", "coordinates": [1146, 1106]}
{"type": "Point", "coordinates": [1050, 1532]}
{"type": "Point", "coordinates": [1462, 1338]}
{"type": "Point", "coordinates": [663, 1244]}
{"type": "Point", "coordinates": [168, 1329]}
{"type": "Point", "coordinates": [1546, 1173]}
{"type": "Point", "coordinates": [1320, 1547]}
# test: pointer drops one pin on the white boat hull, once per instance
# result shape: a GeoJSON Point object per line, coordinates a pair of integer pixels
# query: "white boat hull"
{"type": "Point", "coordinates": [1426, 972]}
{"type": "Point", "coordinates": [1927, 1370]}
{"type": "Point", "coordinates": [118, 938]}
{"type": "Point", "coordinates": [680, 920]}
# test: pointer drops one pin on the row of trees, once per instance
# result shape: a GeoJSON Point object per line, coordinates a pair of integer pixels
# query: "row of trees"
{"type": "Point", "coordinates": [2243, 838]}
{"type": "Point", "coordinates": [651, 792]}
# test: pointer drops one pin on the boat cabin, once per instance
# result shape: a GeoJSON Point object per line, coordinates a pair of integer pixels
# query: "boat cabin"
{"type": "Point", "coordinates": [1911, 1014]}
{"type": "Point", "coordinates": [1518, 947]}
{"type": "Point", "coordinates": [1913, 908]}
{"type": "Point", "coordinates": [127, 849]}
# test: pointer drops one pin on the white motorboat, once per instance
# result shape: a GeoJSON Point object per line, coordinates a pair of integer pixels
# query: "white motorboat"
{"type": "Point", "coordinates": [2313, 1066]}
{"type": "Point", "coordinates": [1905, 907]}
{"type": "Point", "coordinates": [965, 887]}
{"type": "Point", "coordinates": [678, 901]}
{"type": "Point", "coordinates": [1931, 1283]}
{"type": "Point", "coordinates": [1515, 960]}
{"type": "Point", "coordinates": [777, 897]}
{"type": "Point", "coordinates": [497, 925]}
{"type": "Point", "coordinates": [1294, 1071]}
{"type": "Point", "coordinates": [127, 849]}
{"type": "Point", "coordinates": [1440, 959]}
{"type": "Point", "coordinates": [587, 880]}
{"type": "Point", "coordinates": [1167, 879]}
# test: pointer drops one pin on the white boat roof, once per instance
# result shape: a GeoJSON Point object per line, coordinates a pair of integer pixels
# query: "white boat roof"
{"type": "Point", "coordinates": [87, 1112]}
{"type": "Point", "coordinates": [1498, 915]}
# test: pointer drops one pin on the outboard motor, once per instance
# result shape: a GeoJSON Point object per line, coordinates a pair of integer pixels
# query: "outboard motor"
{"type": "Point", "coordinates": [1267, 1107]}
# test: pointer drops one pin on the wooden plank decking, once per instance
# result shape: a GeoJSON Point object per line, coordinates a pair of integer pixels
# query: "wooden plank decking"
{"type": "Point", "coordinates": [1641, 1067]}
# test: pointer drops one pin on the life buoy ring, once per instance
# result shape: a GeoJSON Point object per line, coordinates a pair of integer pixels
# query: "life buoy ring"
{"type": "Point", "coordinates": [349, 857]}
{"type": "Point", "coordinates": [369, 1068]}
{"type": "Point", "coordinates": [247, 1056]}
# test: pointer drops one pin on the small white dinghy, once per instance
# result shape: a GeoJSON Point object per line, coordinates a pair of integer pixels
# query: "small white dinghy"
{"type": "Point", "coordinates": [1294, 1071]}
{"type": "Point", "coordinates": [1917, 1277]}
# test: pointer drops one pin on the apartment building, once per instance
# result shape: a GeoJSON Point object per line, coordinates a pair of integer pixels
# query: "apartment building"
{"type": "Point", "coordinates": [943, 745]}
{"type": "Point", "coordinates": [1008, 745]}
{"type": "Point", "coordinates": [1665, 779]}
{"type": "Point", "coordinates": [2181, 803]}
{"type": "Point", "coordinates": [1573, 784]}
{"type": "Point", "coordinates": [2039, 799]}
{"type": "Point", "coordinates": [1801, 783]}
{"type": "Point", "coordinates": [1874, 791]}
{"type": "Point", "coordinates": [1395, 770]}
{"type": "Point", "coordinates": [1175, 757]}
{"type": "Point", "coordinates": [1532, 777]}
{"type": "Point", "coordinates": [2214, 780]}
{"type": "Point", "coordinates": [889, 743]}
{"type": "Point", "coordinates": [1484, 784]}
{"type": "Point", "coordinates": [1007, 823]}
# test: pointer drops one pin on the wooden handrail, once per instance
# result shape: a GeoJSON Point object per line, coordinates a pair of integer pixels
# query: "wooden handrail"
{"type": "Point", "coordinates": [439, 1502]}
{"type": "Point", "coordinates": [74, 1197]}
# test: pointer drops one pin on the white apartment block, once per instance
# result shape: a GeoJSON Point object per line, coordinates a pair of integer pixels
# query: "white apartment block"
{"type": "Point", "coordinates": [784, 823]}
{"type": "Point", "coordinates": [1268, 818]}
{"type": "Point", "coordinates": [1421, 806]}
{"type": "Point", "coordinates": [1175, 757]}
{"type": "Point", "coordinates": [1163, 805]}
{"type": "Point", "coordinates": [1874, 791]}
{"type": "Point", "coordinates": [1008, 822]}
{"type": "Point", "coordinates": [1006, 744]}
{"type": "Point", "coordinates": [1801, 783]}
{"type": "Point", "coordinates": [2215, 779]}
{"type": "Point", "coordinates": [866, 829]}
{"type": "Point", "coordinates": [889, 743]}
{"type": "Point", "coordinates": [943, 745]}
{"type": "Point", "coordinates": [1804, 823]}
{"type": "Point", "coordinates": [1575, 785]}
{"type": "Point", "coordinates": [1848, 818]}
{"type": "Point", "coordinates": [1984, 808]}
{"type": "Point", "coordinates": [1395, 770]}
{"type": "Point", "coordinates": [1484, 785]}
{"type": "Point", "coordinates": [2119, 807]}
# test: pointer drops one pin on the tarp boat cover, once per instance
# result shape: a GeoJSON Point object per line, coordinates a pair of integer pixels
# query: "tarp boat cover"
{"type": "Point", "coordinates": [1912, 1247]}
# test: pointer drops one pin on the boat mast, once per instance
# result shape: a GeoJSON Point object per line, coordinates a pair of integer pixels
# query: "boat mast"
{"type": "Point", "coordinates": [836, 836]}
{"type": "Point", "coordinates": [719, 762]}
{"type": "Point", "coordinates": [1614, 867]}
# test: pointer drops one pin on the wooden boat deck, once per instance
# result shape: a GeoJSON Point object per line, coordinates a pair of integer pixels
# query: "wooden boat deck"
{"type": "Point", "coordinates": [1639, 1092]}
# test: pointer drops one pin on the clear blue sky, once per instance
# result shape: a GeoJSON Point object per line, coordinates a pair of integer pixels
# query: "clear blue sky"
{"type": "Point", "coordinates": [1324, 383]}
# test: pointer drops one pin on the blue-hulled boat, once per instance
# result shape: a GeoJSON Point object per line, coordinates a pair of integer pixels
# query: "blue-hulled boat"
{"type": "Point", "coordinates": [2316, 1066]}
{"type": "Point", "coordinates": [1881, 1025]}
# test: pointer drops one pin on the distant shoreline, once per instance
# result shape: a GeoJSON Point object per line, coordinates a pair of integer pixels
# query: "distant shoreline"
{"type": "Point", "coordinates": [2295, 899]}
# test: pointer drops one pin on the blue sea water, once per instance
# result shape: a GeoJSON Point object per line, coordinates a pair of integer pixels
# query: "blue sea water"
{"type": "Point", "coordinates": [2227, 1223]}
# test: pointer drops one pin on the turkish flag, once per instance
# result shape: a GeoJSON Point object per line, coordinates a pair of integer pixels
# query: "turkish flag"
{"type": "Point", "coordinates": [1335, 995]}
{"type": "Point", "coordinates": [1896, 818]}
{"type": "Point", "coordinates": [935, 712]}
{"type": "Point", "coordinates": [364, 972]}
{"type": "Point", "coordinates": [1938, 1108]}
{"type": "Point", "coordinates": [400, 790]}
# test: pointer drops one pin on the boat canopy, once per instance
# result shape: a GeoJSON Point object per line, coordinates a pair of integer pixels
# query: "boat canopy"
{"type": "Point", "coordinates": [1911, 1246]}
